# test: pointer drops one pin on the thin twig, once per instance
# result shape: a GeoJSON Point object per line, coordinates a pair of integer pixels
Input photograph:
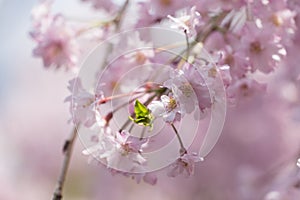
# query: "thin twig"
{"type": "Point", "coordinates": [125, 104]}
{"type": "Point", "coordinates": [143, 133]}
{"type": "Point", "coordinates": [117, 21]}
{"type": "Point", "coordinates": [119, 17]}
{"type": "Point", "coordinates": [182, 148]}
{"type": "Point", "coordinates": [67, 150]}
{"type": "Point", "coordinates": [187, 45]}
{"type": "Point", "coordinates": [68, 146]}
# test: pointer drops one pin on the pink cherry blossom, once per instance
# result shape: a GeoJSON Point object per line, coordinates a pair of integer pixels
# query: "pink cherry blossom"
{"type": "Point", "coordinates": [238, 64]}
{"type": "Point", "coordinates": [83, 103]}
{"type": "Point", "coordinates": [57, 44]}
{"type": "Point", "coordinates": [261, 47]}
{"type": "Point", "coordinates": [143, 51]}
{"type": "Point", "coordinates": [149, 178]}
{"type": "Point", "coordinates": [184, 165]}
{"type": "Point", "coordinates": [146, 18]}
{"type": "Point", "coordinates": [187, 22]}
{"type": "Point", "coordinates": [119, 150]}
{"type": "Point", "coordinates": [245, 89]}
{"type": "Point", "coordinates": [182, 91]}
{"type": "Point", "coordinates": [167, 108]}
{"type": "Point", "coordinates": [135, 51]}
{"type": "Point", "coordinates": [106, 5]}
{"type": "Point", "coordinates": [199, 84]}
{"type": "Point", "coordinates": [214, 6]}
{"type": "Point", "coordinates": [235, 20]}
{"type": "Point", "coordinates": [162, 8]}
{"type": "Point", "coordinates": [277, 16]}
{"type": "Point", "coordinates": [41, 12]}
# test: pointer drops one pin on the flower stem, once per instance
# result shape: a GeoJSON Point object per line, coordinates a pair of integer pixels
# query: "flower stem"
{"type": "Point", "coordinates": [125, 104]}
{"type": "Point", "coordinates": [118, 96]}
{"type": "Point", "coordinates": [131, 127]}
{"type": "Point", "coordinates": [68, 146]}
{"type": "Point", "coordinates": [130, 94]}
{"type": "Point", "coordinates": [143, 133]}
{"type": "Point", "coordinates": [170, 46]}
{"type": "Point", "coordinates": [117, 21]}
{"type": "Point", "coordinates": [119, 17]}
{"type": "Point", "coordinates": [182, 148]}
{"type": "Point", "coordinates": [187, 45]}
{"type": "Point", "coordinates": [67, 150]}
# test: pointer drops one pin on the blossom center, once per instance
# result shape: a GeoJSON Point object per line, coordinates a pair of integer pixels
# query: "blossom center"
{"type": "Point", "coordinates": [212, 72]}
{"type": "Point", "coordinates": [88, 103]}
{"type": "Point", "coordinates": [172, 104]}
{"type": "Point", "coordinates": [255, 47]}
{"type": "Point", "coordinates": [166, 2]}
{"type": "Point", "coordinates": [55, 49]}
{"type": "Point", "coordinates": [245, 89]}
{"type": "Point", "coordinates": [186, 20]}
{"type": "Point", "coordinates": [276, 20]}
{"type": "Point", "coordinates": [126, 149]}
{"type": "Point", "coordinates": [185, 164]}
{"type": "Point", "coordinates": [140, 57]}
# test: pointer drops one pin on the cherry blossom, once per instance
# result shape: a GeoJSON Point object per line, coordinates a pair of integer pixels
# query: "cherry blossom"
{"type": "Point", "coordinates": [261, 48]}
{"type": "Point", "coordinates": [149, 178]}
{"type": "Point", "coordinates": [184, 165]}
{"type": "Point", "coordinates": [57, 44]}
{"type": "Point", "coordinates": [119, 150]}
{"type": "Point", "coordinates": [167, 108]}
{"type": "Point", "coordinates": [108, 6]}
{"type": "Point", "coordinates": [142, 54]}
{"type": "Point", "coordinates": [187, 22]}
{"type": "Point", "coordinates": [147, 18]}
{"type": "Point", "coordinates": [245, 89]}
{"type": "Point", "coordinates": [235, 20]}
{"type": "Point", "coordinates": [83, 104]}
{"type": "Point", "coordinates": [41, 12]}
{"type": "Point", "coordinates": [182, 91]}
{"type": "Point", "coordinates": [162, 8]}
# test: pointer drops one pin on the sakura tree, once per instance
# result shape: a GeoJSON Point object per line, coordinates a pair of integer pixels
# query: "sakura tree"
{"type": "Point", "coordinates": [165, 78]}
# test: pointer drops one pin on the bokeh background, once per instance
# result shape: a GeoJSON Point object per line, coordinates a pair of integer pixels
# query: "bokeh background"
{"type": "Point", "coordinates": [256, 153]}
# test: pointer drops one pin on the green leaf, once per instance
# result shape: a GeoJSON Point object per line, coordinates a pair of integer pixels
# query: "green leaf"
{"type": "Point", "coordinates": [143, 115]}
{"type": "Point", "coordinates": [140, 108]}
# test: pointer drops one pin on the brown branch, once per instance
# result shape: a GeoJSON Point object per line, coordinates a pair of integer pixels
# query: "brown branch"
{"type": "Point", "coordinates": [68, 146]}
{"type": "Point", "coordinates": [117, 21]}
{"type": "Point", "coordinates": [67, 150]}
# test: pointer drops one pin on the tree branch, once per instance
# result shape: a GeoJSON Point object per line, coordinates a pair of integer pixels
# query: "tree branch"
{"type": "Point", "coordinates": [68, 146]}
{"type": "Point", "coordinates": [67, 150]}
